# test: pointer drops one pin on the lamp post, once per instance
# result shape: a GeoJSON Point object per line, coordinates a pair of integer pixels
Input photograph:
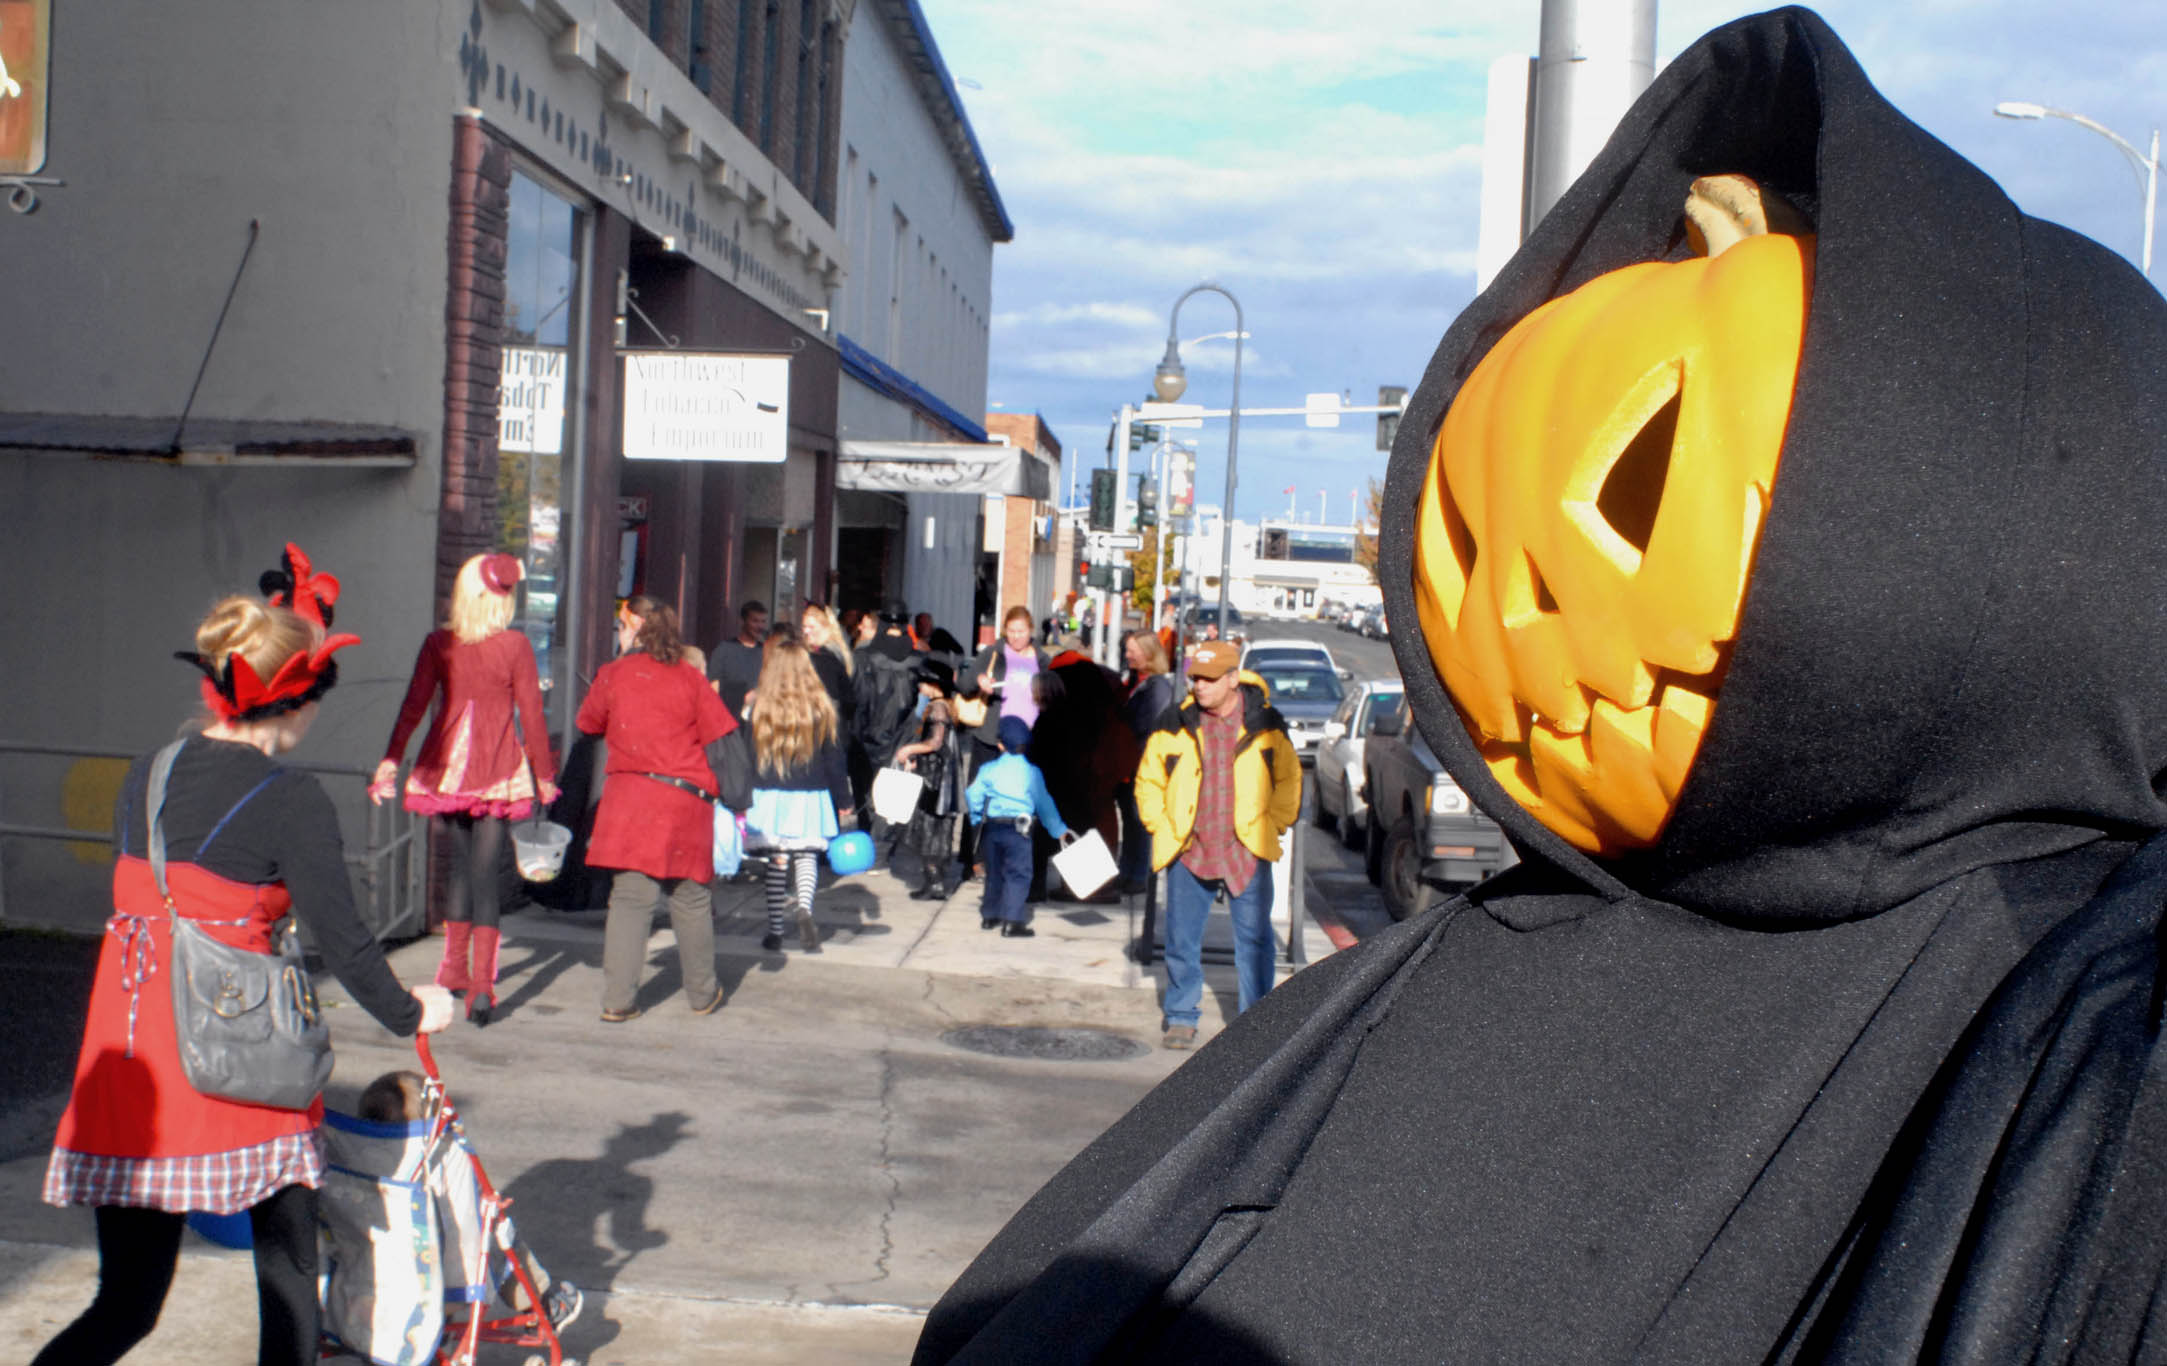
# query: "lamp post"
{"type": "Point", "coordinates": [2147, 164]}
{"type": "Point", "coordinates": [1170, 382]}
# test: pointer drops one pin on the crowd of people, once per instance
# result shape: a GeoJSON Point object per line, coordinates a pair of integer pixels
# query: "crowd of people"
{"type": "Point", "coordinates": [775, 735]}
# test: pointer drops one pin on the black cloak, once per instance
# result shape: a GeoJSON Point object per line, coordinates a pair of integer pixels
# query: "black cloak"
{"type": "Point", "coordinates": [1859, 1062]}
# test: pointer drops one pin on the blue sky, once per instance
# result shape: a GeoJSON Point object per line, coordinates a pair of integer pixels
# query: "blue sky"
{"type": "Point", "coordinates": [1324, 163]}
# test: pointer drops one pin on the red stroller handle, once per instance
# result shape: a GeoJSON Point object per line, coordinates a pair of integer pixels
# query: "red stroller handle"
{"type": "Point", "coordinates": [428, 1058]}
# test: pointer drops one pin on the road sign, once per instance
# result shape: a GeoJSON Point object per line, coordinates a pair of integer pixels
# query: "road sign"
{"type": "Point", "coordinates": [1112, 541]}
{"type": "Point", "coordinates": [1172, 414]}
{"type": "Point", "coordinates": [1323, 410]}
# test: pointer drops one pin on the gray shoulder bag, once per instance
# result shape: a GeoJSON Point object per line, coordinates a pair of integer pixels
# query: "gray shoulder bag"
{"type": "Point", "coordinates": [247, 1023]}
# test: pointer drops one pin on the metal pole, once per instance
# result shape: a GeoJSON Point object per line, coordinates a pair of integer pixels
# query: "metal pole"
{"type": "Point", "coordinates": [1596, 56]}
{"type": "Point", "coordinates": [1121, 471]}
{"type": "Point", "coordinates": [1233, 449]}
{"type": "Point", "coordinates": [1160, 537]}
{"type": "Point", "coordinates": [2151, 200]}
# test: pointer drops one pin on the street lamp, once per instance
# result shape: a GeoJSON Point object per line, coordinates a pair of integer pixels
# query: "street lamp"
{"type": "Point", "coordinates": [1170, 382]}
{"type": "Point", "coordinates": [2147, 165]}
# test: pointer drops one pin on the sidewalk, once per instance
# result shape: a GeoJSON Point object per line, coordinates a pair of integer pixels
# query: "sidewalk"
{"type": "Point", "coordinates": [794, 1179]}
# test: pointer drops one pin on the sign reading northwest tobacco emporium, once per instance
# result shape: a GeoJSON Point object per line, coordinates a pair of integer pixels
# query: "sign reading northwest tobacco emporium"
{"type": "Point", "coordinates": [682, 405]}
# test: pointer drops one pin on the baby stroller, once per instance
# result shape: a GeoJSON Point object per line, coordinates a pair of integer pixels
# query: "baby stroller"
{"type": "Point", "coordinates": [419, 1247]}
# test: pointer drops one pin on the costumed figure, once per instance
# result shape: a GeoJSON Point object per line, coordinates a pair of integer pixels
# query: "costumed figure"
{"type": "Point", "coordinates": [1770, 549]}
{"type": "Point", "coordinates": [245, 843]}
{"type": "Point", "coordinates": [800, 786]}
{"type": "Point", "coordinates": [937, 757]}
{"type": "Point", "coordinates": [484, 761]}
{"type": "Point", "coordinates": [657, 716]}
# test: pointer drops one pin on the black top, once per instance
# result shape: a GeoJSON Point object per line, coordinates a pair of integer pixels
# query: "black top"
{"type": "Point", "coordinates": [285, 831]}
{"type": "Point", "coordinates": [735, 669]}
{"type": "Point", "coordinates": [836, 679]}
{"type": "Point", "coordinates": [1852, 1065]}
{"type": "Point", "coordinates": [893, 642]}
{"type": "Point", "coordinates": [828, 770]}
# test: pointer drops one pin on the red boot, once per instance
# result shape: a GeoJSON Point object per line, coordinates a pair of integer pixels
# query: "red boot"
{"type": "Point", "coordinates": [482, 994]}
{"type": "Point", "coordinates": [451, 974]}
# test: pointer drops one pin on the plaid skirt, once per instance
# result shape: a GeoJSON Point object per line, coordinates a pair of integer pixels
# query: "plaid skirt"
{"type": "Point", "coordinates": [216, 1183]}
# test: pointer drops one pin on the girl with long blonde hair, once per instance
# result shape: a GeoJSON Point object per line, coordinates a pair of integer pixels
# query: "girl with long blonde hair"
{"type": "Point", "coordinates": [800, 786]}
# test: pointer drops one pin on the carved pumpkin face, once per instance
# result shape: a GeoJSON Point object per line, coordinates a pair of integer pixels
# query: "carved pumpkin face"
{"type": "Point", "coordinates": [1589, 521]}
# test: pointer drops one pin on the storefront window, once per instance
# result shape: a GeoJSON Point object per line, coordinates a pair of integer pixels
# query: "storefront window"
{"type": "Point", "coordinates": [541, 289]}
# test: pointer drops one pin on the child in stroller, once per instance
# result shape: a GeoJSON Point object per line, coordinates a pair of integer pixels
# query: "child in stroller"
{"type": "Point", "coordinates": [412, 1227]}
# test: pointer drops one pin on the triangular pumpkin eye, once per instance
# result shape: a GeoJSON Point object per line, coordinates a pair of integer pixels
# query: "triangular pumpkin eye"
{"type": "Point", "coordinates": [1583, 651]}
{"type": "Point", "coordinates": [1633, 489]}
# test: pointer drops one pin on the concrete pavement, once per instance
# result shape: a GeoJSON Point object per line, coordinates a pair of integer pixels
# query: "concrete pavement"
{"type": "Point", "coordinates": [796, 1178]}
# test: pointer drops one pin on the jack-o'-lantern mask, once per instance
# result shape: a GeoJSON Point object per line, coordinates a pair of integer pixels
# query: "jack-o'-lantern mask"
{"type": "Point", "coordinates": [1590, 516]}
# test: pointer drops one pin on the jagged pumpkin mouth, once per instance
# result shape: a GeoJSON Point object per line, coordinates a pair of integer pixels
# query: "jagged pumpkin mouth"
{"type": "Point", "coordinates": [1587, 529]}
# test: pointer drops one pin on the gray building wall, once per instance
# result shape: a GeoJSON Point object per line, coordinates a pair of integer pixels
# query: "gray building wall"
{"type": "Point", "coordinates": [919, 296]}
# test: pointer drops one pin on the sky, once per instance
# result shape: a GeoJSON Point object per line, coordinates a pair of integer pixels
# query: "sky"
{"type": "Point", "coordinates": [1324, 164]}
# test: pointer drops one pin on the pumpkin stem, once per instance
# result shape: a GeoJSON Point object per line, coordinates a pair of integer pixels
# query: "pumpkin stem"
{"type": "Point", "coordinates": [1723, 210]}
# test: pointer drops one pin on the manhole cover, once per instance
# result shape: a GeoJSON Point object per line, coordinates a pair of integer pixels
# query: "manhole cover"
{"type": "Point", "coordinates": [1052, 1045]}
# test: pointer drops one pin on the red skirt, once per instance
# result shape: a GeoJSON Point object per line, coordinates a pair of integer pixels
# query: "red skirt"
{"type": "Point", "coordinates": [133, 1122]}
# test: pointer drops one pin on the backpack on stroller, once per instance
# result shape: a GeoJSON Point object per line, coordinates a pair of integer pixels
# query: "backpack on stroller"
{"type": "Point", "coordinates": [418, 1246]}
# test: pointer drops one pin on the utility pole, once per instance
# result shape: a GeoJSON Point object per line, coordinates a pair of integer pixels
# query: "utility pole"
{"type": "Point", "coordinates": [1596, 57]}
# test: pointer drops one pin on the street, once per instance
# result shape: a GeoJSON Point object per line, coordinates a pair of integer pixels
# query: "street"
{"type": "Point", "coordinates": [1338, 889]}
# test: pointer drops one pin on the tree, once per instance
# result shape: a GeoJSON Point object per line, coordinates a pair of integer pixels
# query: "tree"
{"type": "Point", "coordinates": [1365, 537]}
{"type": "Point", "coordinates": [1148, 563]}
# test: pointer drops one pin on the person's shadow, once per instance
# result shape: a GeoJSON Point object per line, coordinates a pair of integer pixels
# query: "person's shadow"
{"type": "Point", "coordinates": [586, 1218]}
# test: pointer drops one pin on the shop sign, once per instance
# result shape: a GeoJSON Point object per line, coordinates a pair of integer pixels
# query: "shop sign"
{"type": "Point", "coordinates": [530, 400]}
{"type": "Point", "coordinates": [25, 59]}
{"type": "Point", "coordinates": [682, 405]}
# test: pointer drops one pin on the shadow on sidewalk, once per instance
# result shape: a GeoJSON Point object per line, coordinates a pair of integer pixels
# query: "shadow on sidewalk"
{"type": "Point", "coordinates": [586, 1219]}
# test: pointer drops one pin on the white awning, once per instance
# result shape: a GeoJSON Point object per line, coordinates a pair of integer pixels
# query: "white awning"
{"type": "Point", "coordinates": [943, 467]}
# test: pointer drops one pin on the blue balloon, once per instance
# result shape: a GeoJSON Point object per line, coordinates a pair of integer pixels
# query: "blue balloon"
{"type": "Point", "coordinates": [226, 1230]}
{"type": "Point", "coordinates": [850, 852]}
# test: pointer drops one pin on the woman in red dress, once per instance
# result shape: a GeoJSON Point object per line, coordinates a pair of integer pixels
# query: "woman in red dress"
{"type": "Point", "coordinates": [247, 842]}
{"type": "Point", "coordinates": [483, 762]}
{"type": "Point", "coordinates": [655, 826]}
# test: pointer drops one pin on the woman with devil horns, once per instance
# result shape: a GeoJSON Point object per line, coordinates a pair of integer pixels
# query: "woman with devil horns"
{"type": "Point", "coordinates": [247, 842]}
{"type": "Point", "coordinates": [483, 762]}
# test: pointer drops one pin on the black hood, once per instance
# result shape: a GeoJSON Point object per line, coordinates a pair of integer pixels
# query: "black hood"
{"type": "Point", "coordinates": [1950, 652]}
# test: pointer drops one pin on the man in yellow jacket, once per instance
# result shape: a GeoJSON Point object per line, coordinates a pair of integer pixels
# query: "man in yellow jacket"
{"type": "Point", "coordinates": [1217, 787]}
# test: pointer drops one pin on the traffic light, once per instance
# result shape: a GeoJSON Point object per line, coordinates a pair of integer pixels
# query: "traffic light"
{"type": "Point", "coordinates": [1391, 396]}
{"type": "Point", "coordinates": [1117, 578]}
{"type": "Point", "coordinates": [1147, 502]}
{"type": "Point", "coordinates": [1143, 435]}
{"type": "Point", "coordinates": [1102, 500]}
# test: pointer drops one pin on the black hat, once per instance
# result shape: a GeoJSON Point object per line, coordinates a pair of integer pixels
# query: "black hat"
{"type": "Point", "coordinates": [895, 613]}
{"type": "Point", "coordinates": [925, 669]}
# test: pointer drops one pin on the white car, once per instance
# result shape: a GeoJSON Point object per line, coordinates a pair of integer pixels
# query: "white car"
{"type": "Point", "coordinates": [1340, 798]}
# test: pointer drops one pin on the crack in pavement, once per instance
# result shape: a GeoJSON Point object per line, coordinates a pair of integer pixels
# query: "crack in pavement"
{"type": "Point", "coordinates": [931, 984]}
{"type": "Point", "coordinates": [881, 1269]}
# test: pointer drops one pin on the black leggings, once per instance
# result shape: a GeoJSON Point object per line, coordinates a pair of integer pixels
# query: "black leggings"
{"type": "Point", "coordinates": [137, 1251]}
{"type": "Point", "coordinates": [477, 860]}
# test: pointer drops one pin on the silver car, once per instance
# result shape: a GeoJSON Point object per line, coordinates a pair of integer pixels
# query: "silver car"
{"type": "Point", "coordinates": [1340, 798]}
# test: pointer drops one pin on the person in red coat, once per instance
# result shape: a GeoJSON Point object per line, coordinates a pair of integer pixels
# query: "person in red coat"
{"type": "Point", "coordinates": [655, 826]}
{"type": "Point", "coordinates": [248, 842]}
{"type": "Point", "coordinates": [483, 763]}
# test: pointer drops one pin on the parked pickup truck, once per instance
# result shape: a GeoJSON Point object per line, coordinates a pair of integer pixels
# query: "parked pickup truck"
{"type": "Point", "coordinates": [1426, 840]}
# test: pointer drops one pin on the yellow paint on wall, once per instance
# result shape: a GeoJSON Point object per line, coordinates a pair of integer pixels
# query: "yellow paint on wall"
{"type": "Point", "coordinates": [87, 796]}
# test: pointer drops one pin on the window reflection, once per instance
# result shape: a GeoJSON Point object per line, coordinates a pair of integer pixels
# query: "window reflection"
{"type": "Point", "coordinates": [541, 283]}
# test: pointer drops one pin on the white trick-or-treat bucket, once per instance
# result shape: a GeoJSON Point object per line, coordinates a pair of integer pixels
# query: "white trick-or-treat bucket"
{"type": "Point", "coordinates": [538, 849]}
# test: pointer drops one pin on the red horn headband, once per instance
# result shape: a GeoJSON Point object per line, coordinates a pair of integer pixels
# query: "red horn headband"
{"type": "Point", "coordinates": [236, 693]}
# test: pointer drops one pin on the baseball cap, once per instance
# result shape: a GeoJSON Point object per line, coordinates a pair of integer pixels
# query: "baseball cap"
{"type": "Point", "coordinates": [1214, 659]}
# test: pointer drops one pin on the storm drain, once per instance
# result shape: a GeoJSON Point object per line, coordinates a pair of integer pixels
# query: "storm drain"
{"type": "Point", "coordinates": [1050, 1045]}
